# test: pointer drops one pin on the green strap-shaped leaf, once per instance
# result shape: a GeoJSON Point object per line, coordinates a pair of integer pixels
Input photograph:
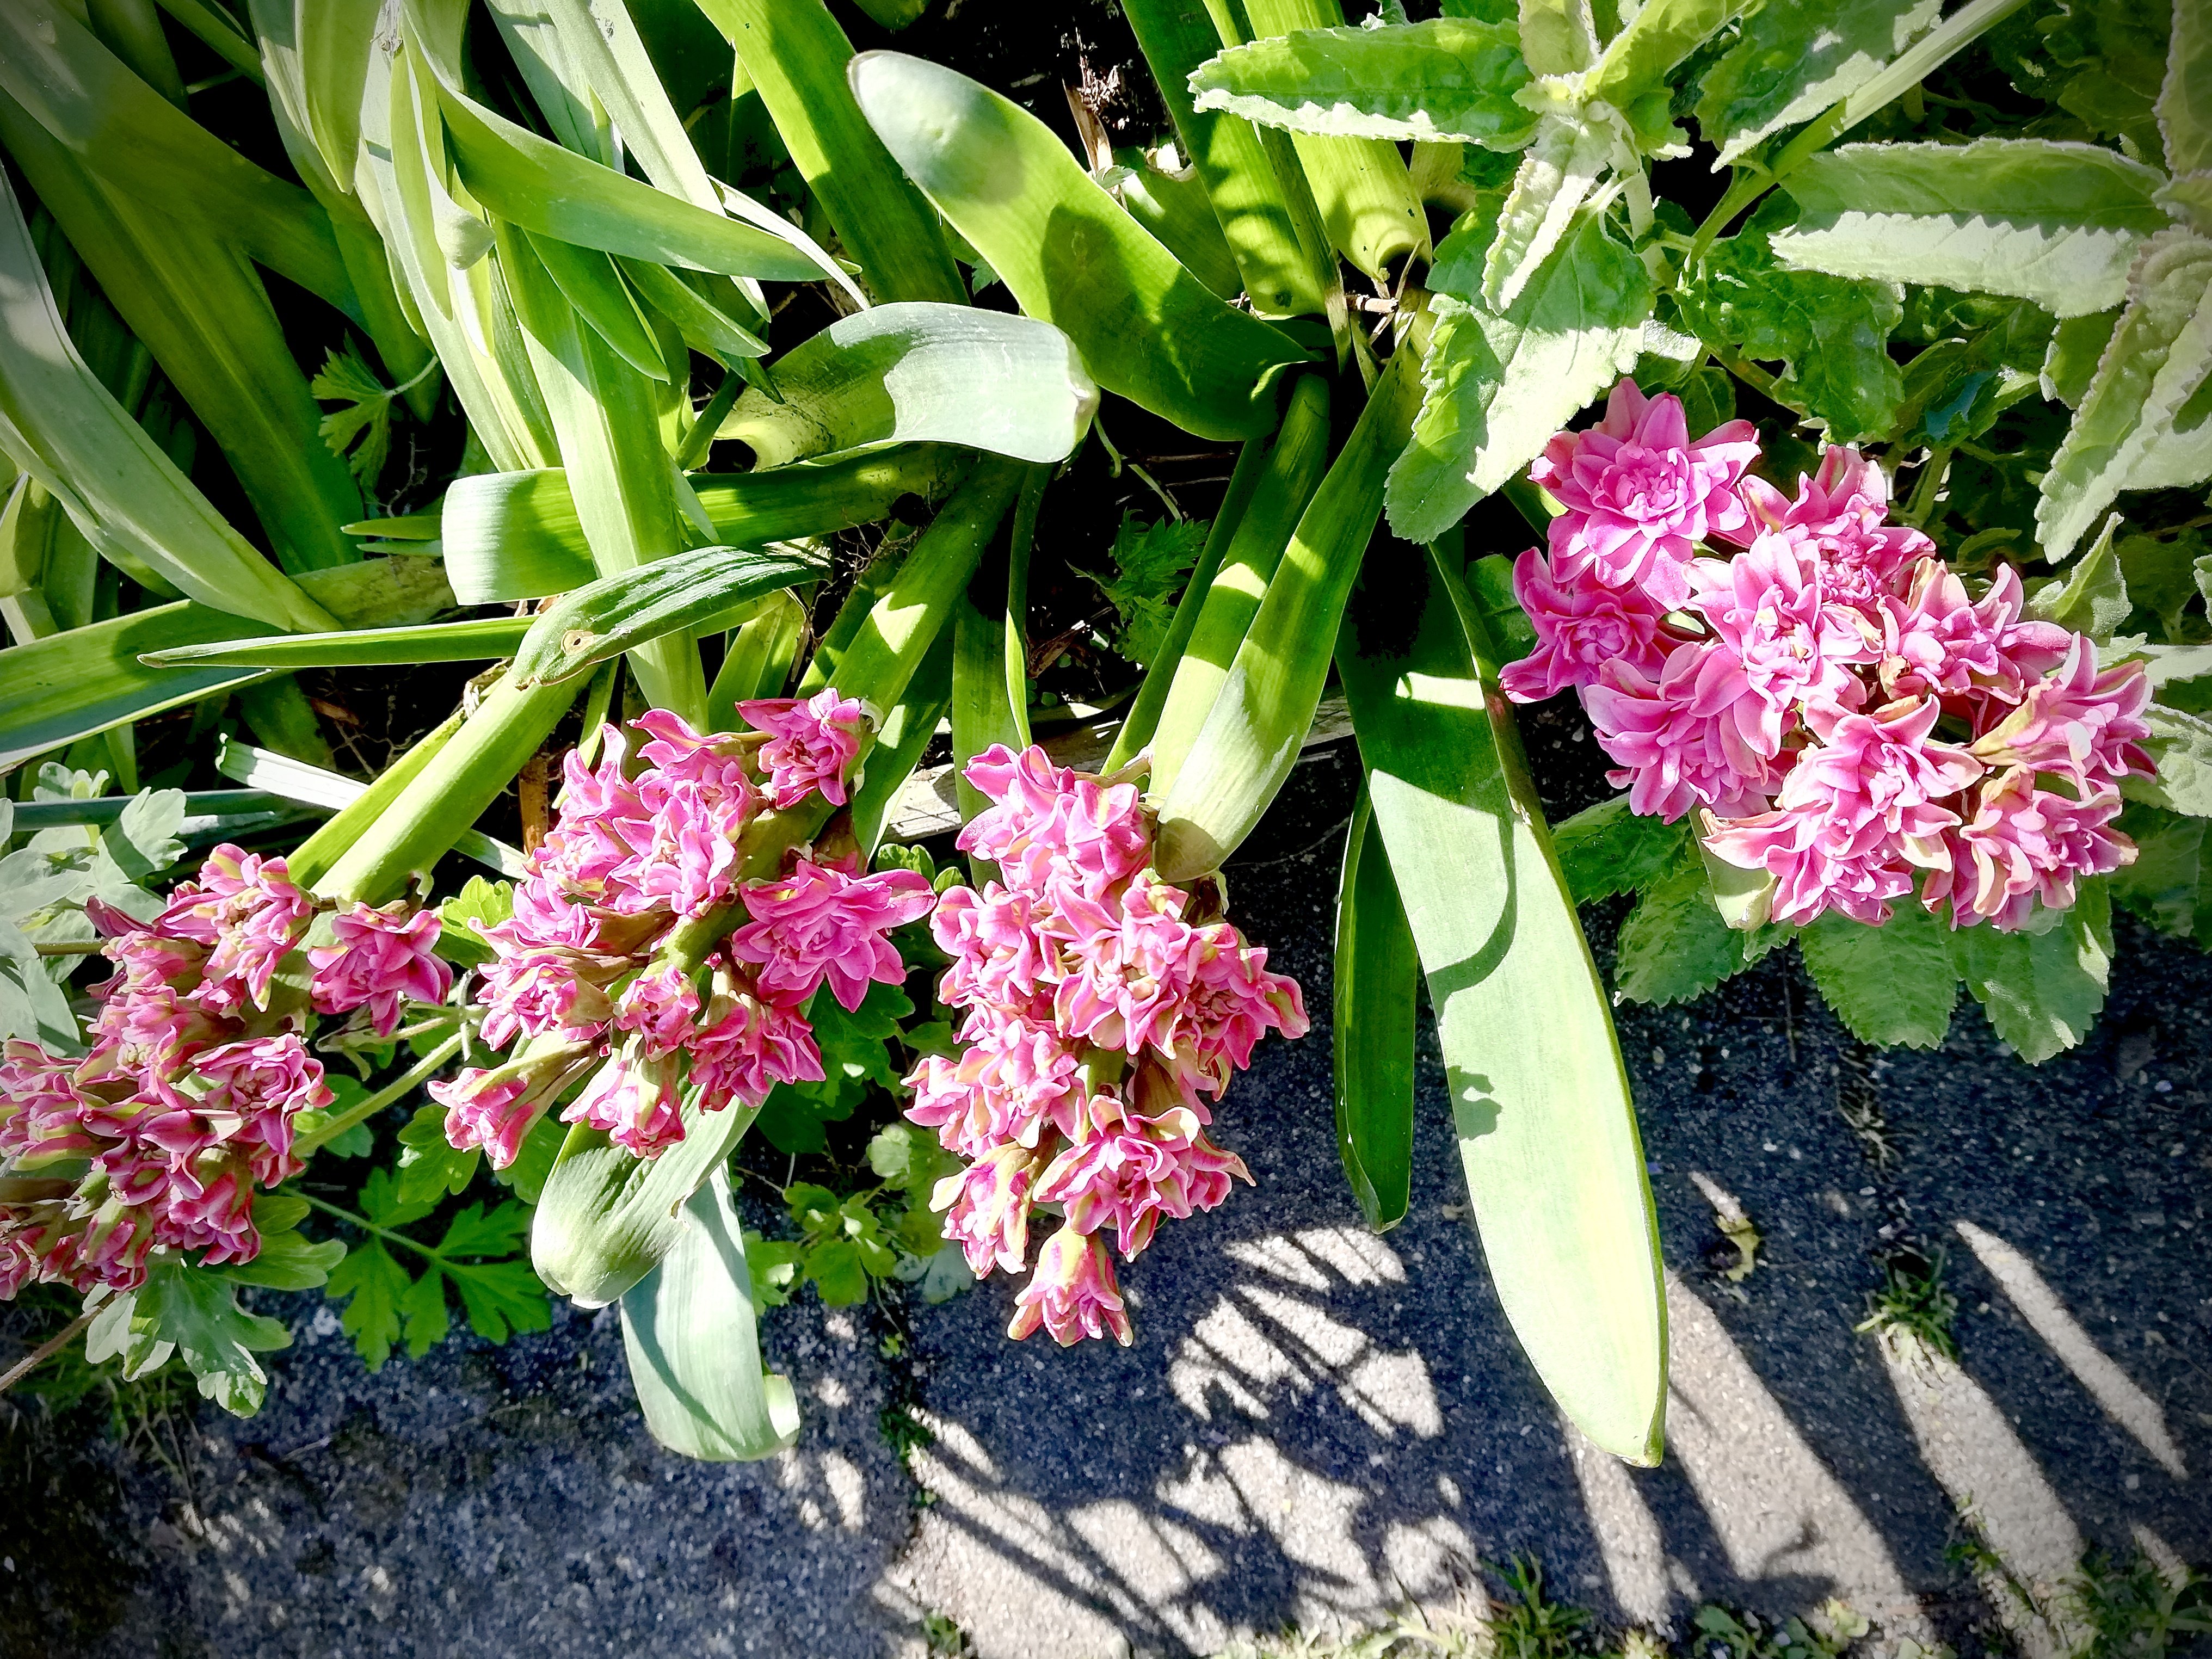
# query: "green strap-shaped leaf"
{"type": "Point", "coordinates": [1292, 471]}
{"type": "Point", "coordinates": [591, 283]}
{"type": "Point", "coordinates": [533, 183]}
{"type": "Point", "coordinates": [1540, 1099]}
{"type": "Point", "coordinates": [2058, 223]}
{"type": "Point", "coordinates": [2138, 425]}
{"type": "Point", "coordinates": [61, 425]}
{"type": "Point", "coordinates": [1251, 736]}
{"type": "Point", "coordinates": [990, 699]}
{"type": "Point", "coordinates": [1891, 984]}
{"type": "Point", "coordinates": [915, 372]}
{"type": "Point", "coordinates": [1376, 989]}
{"type": "Point", "coordinates": [586, 625]}
{"type": "Point", "coordinates": [1173, 206]}
{"type": "Point", "coordinates": [313, 856]}
{"type": "Point", "coordinates": [2042, 991]}
{"type": "Point", "coordinates": [1792, 63]}
{"type": "Point", "coordinates": [1496, 387]}
{"type": "Point", "coordinates": [56, 69]}
{"type": "Point", "coordinates": [796, 55]}
{"type": "Point", "coordinates": [694, 1356]}
{"type": "Point", "coordinates": [90, 679]}
{"type": "Point", "coordinates": [757, 662]}
{"type": "Point", "coordinates": [607, 1218]}
{"type": "Point", "coordinates": [604, 44]}
{"type": "Point", "coordinates": [335, 39]}
{"type": "Point", "coordinates": [708, 322]}
{"type": "Point", "coordinates": [1146, 328]}
{"type": "Point", "coordinates": [1449, 78]}
{"type": "Point", "coordinates": [1359, 185]}
{"type": "Point", "coordinates": [478, 641]}
{"type": "Point", "coordinates": [1177, 36]}
{"type": "Point", "coordinates": [907, 732]}
{"type": "Point", "coordinates": [518, 536]}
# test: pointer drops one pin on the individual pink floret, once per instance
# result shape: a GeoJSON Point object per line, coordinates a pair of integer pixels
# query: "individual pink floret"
{"type": "Point", "coordinates": [2082, 723]}
{"type": "Point", "coordinates": [746, 1045]}
{"type": "Point", "coordinates": [1769, 608]}
{"type": "Point", "coordinates": [1135, 1170]}
{"type": "Point", "coordinates": [1071, 1293]}
{"type": "Point", "coordinates": [1000, 953]}
{"type": "Point", "coordinates": [381, 959]}
{"type": "Point", "coordinates": [811, 744]}
{"type": "Point", "coordinates": [1051, 829]}
{"type": "Point", "coordinates": [1639, 495]}
{"type": "Point", "coordinates": [1697, 736]}
{"type": "Point", "coordinates": [488, 1108]}
{"type": "Point", "coordinates": [248, 909]}
{"type": "Point", "coordinates": [660, 1006]}
{"type": "Point", "coordinates": [1014, 1082]}
{"type": "Point", "coordinates": [40, 1105]}
{"type": "Point", "coordinates": [262, 1082]}
{"type": "Point", "coordinates": [1581, 624]}
{"type": "Point", "coordinates": [1936, 639]}
{"type": "Point", "coordinates": [633, 1101]}
{"type": "Point", "coordinates": [1133, 977]}
{"type": "Point", "coordinates": [987, 1208]}
{"type": "Point", "coordinates": [1234, 1000]}
{"type": "Point", "coordinates": [2025, 845]}
{"type": "Point", "coordinates": [1840, 517]}
{"type": "Point", "coordinates": [819, 924]}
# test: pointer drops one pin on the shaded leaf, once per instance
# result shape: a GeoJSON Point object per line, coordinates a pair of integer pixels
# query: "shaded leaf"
{"type": "Point", "coordinates": [2043, 990]}
{"type": "Point", "coordinates": [1891, 984]}
{"type": "Point", "coordinates": [1791, 62]}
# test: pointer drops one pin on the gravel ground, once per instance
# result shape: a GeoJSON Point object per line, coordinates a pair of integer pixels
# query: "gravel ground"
{"type": "Point", "coordinates": [1315, 1425]}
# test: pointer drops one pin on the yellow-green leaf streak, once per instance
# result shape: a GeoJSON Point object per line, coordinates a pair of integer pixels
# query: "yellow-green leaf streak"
{"type": "Point", "coordinates": [1540, 1099]}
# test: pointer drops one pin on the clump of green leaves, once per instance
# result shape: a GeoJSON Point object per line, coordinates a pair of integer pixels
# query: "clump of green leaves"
{"type": "Point", "coordinates": [1151, 562]}
{"type": "Point", "coordinates": [363, 426]}
{"type": "Point", "coordinates": [1825, 1634]}
{"type": "Point", "coordinates": [2136, 1609]}
{"type": "Point", "coordinates": [1912, 1309]}
{"type": "Point", "coordinates": [848, 1241]}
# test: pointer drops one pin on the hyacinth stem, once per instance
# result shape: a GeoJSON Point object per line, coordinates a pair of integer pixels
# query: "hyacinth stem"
{"type": "Point", "coordinates": [46, 1350]}
{"type": "Point", "coordinates": [460, 780]}
{"type": "Point", "coordinates": [415, 1077]}
{"type": "Point", "coordinates": [315, 855]}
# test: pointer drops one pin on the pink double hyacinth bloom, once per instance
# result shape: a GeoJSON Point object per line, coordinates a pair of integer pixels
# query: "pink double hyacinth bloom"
{"type": "Point", "coordinates": [581, 982]}
{"type": "Point", "coordinates": [188, 1096]}
{"type": "Point", "coordinates": [1842, 713]}
{"type": "Point", "coordinates": [1101, 1007]}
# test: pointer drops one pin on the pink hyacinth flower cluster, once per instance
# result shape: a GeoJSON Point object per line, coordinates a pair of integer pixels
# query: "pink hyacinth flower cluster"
{"type": "Point", "coordinates": [1103, 1010]}
{"type": "Point", "coordinates": [1843, 714]}
{"type": "Point", "coordinates": [186, 1096]}
{"type": "Point", "coordinates": [577, 980]}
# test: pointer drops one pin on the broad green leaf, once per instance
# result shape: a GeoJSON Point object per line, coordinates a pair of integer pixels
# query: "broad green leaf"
{"type": "Point", "coordinates": [1251, 737]}
{"type": "Point", "coordinates": [335, 39]}
{"type": "Point", "coordinates": [795, 55]}
{"type": "Point", "coordinates": [477, 640]}
{"type": "Point", "coordinates": [1635, 74]}
{"type": "Point", "coordinates": [532, 182]}
{"type": "Point", "coordinates": [757, 659]}
{"type": "Point", "coordinates": [2055, 222]}
{"type": "Point", "coordinates": [70, 685]}
{"type": "Point", "coordinates": [123, 493]}
{"type": "Point", "coordinates": [1891, 984]}
{"type": "Point", "coordinates": [694, 1355]}
{"type": "Point", "coordinates": [286, 1262]}
{"type": "Point", "coordinates": [1145, 327]}
{"type": "Point", "coordinates": [1377, 987]}
{"type": "Point", "coordinates": [708, 323]}
{"type": "Point", "coordinates": [607, 418]}
{"type": "Point", "coordinates": [1558, 37]}
{"type": "Point", "coordinates": [2162, 580]}
{"type": "Point", "coordinates": [2043, 990]}
{"type": "Point", "coordinates": [430, 1167]}
{"type": "Point", "coordinates": [1831, 333]}
{"type": "Point", "coordinates": [1790, 64]}
{"type": "Point", "coordinates": [2141, 424]}
{"type": "Point", "coordinates": [1606, 849]}
{"type": "Point", "coordinates": [2093, 597]}
{"type": "Point", "coordinates": [591, 282]}
{"type": "Point", "coordinates": [1557, 173]}
{"type": "Point", "coordinates": [518, 536]}
{"type": "Point", "coordinates": [2170, 883]}
{"type": "Point", "coordinates": [143, 839]}
{"type": "Point", "coordinates": [199, 1311]}
{"type": "Point", "coordinates": [56, 69]}
{"type": "Point", "coordinates": [2184, 100]}
{"type": "Point", "coordinates": [1291, 472]}
{"type": "Point", "coordinates": [1230, 160]}
{"type": "Point", "coordinates": [917, 373]}
{"type": "Point", "coordinates": [31, 1005]}
{"type": "Point", "coordinates": [1497, 387]}
{"type": "Point", "coordinates": [990, 692]}
{"type": "Point", "coordinates": [2180, 745]}
{"type": "Point", "coordinates": [607, 1218]}
{"type": "Point", "coordinates": [114, 1334]}
{"type": "Point", "coordinates": [1451, 77]}
{"type": "Point", "coordinates": [1173, 206]}
{"type": "Point", "coordinates": [586, 625]}
{"type": "Point", "coordinates": [1539, 1099]}
{"type": "Point", "coordinates": [1675, 946]}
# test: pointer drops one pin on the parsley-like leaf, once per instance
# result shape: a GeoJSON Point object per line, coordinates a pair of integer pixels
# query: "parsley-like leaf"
{"type": "Point", "coordinates": [1151, 563]}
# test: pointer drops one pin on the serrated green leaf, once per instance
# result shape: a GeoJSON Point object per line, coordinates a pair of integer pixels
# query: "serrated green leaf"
{"type": "Point", "coordinates": [31, 1005]}
{"type": "Point", "coordinates": [1449, 78]}
{"type": "Point", "coordinates": [1557, 173]}
{"type": "Point", "coordinates": [2161, 575]}
{"type": "Point", "coordinates": [345, 379]}
{"type": "Point", "coordinates": [382, 1201]}
{"type": "Point", "coordinates": [2042, 991]}
{"type": "Point", "coordinates": [909, 1157]}
{"type": "Point", "coordinates": [2139, 426]}
{"type": "Point", "coordinates": [287, 1261]}
{"type": "Point", "coordinates": [1790, 64]}
{"type": "Point", "coordinates": [1495, 388]}
{"type": "Point", "coordinates": [2184, 99]}
{"type": "Point", "coordinates": [2093, 597]}
{"type": "Point", "coordinates": [1150, 564]}
{"type": "Point", "coordinates": [143, 841]}
{"type": "Point", "coordinates": [2055, 222]}
{"type": "Point", "coordinates": [1891, 984]}
{"type": "Point", "coordinates": [1831, 333]}
{"type": "Point", "coordinates": [2180, 745]}
{"type": "Point", "coordinates": [475, 1232]}
{"type": "Point", "coordinates": [501, 1298]}
{"type": "Point", "coordinates": [1674, 946]}
{"type": "Point", "coordinates": [199, 1311]}
{"type": "Point", "coordinates": [1606, 849]}
{"type": "Point", "coordinates": [430, 1168]}
{"type": "Point", "coordinates": [423, 1314]}
{"type": "Point", "coordinates": [373, 1282]}
{"type": "Point", "coordinates": [2167, 885]}
{"type": "Point", "coordinates": [1635, 74]}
